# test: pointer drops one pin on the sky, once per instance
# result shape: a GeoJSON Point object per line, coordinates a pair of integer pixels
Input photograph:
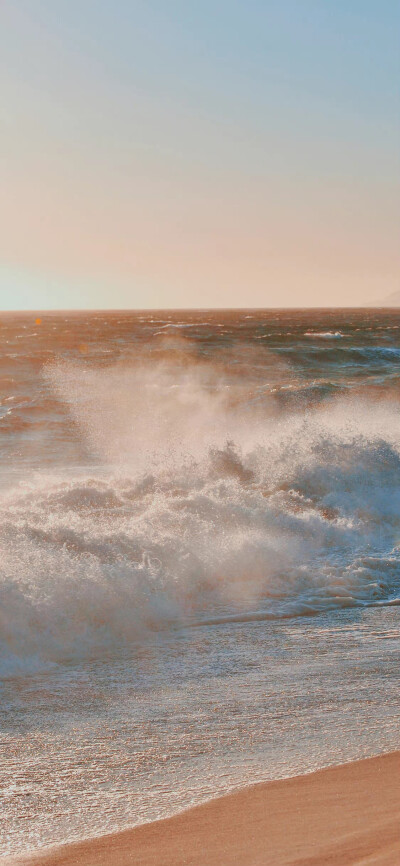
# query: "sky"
{"type": "Point", "coordinates": [173, 153]}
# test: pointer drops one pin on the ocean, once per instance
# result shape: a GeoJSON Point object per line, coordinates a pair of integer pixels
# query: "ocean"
{"type": "Point", "coordinates": [199, 557]}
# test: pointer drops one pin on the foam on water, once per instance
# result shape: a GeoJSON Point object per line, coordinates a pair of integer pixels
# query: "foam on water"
{"type": "Point", "coordinates": [203, 506]}
{"type": "Point", "coordinates": [326, 334]}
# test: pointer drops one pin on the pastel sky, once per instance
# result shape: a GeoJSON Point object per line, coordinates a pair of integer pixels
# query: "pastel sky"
{"type": "Point", "coordinates": [194, 153]}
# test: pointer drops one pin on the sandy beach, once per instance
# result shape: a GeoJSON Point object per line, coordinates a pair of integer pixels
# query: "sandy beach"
{"type": "Point", "coordinates": [348, 814]}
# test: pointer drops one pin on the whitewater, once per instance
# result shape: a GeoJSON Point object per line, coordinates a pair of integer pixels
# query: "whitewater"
{"type": "Point", "coordinates": [199, 557]}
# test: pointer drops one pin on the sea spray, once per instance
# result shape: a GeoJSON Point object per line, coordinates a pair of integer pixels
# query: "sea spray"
{"type": "Point", "coordinates": [201, 505]}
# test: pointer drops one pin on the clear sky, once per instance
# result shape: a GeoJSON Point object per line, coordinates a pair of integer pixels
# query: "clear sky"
{"type": "Point", "coordinates": [189, 153]}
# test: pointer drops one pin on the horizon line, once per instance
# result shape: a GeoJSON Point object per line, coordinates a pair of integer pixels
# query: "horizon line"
{"type": "Point", "coordinates": [77, 310]}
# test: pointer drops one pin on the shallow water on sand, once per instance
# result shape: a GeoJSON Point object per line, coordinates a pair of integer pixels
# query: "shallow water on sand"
{"type": "Point", "coordinates": [199, 571]}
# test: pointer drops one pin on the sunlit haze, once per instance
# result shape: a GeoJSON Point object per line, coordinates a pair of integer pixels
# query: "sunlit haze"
{"type": "Point", "coordinates": [182, 154]}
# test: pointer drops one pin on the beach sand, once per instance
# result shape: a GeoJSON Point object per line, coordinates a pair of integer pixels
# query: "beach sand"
{"type": "Point", "coordinates": [348, 814]}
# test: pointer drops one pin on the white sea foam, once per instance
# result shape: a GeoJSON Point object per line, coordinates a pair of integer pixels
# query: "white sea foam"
{"type": "Point", "coordinates": [332, 335]}
{"type": "Point", "coordinates": [199, 509]}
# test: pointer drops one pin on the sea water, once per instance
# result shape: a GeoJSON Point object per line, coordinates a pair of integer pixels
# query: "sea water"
{"type": "Point", "coordinates": [200, 570]}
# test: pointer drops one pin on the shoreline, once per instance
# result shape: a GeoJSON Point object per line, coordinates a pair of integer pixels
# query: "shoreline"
{"type": "Point", "coordinates": [345, 814]}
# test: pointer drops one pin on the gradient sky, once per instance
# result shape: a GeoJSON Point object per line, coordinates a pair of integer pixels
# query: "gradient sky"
{"type": "Point", "coordinates": [174, 153]}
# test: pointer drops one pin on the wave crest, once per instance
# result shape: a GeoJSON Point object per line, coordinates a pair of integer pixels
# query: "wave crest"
{"type": "Point", "coordinates": [201, 509]}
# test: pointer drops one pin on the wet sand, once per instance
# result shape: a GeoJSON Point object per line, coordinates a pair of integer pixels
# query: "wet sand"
{"type": "Point", "coordinates": [347, 815]}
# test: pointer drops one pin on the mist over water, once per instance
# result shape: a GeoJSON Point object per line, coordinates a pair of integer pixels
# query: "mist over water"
{"type": "Point", "coordinates": [168, 479]}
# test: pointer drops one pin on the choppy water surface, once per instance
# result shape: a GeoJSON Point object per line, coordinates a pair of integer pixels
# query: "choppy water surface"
{"type": "Point", "coordinates": [199, 573]}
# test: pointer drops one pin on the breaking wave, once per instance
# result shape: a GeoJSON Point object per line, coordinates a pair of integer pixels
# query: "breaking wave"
{"type": "Point", "coordinates": [199, 507]}
{"type": "Point", "coordinates": [327, 334]}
